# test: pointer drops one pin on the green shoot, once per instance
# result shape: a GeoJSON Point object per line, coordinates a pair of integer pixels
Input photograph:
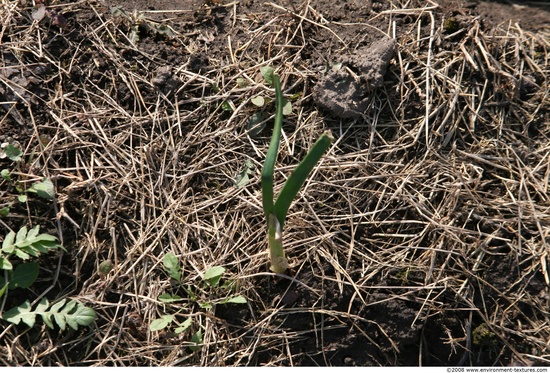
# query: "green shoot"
{"type": "Point", "coordinates": [276, 212]}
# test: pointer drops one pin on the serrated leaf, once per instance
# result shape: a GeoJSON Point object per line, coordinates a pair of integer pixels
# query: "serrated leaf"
{"type": "Point", "coordinates": [213, 275]}
{"type": "Point", "coordinates": [159, 324]}
{"type": "Point", "coordinates": [184, 326]}
{"type": "Point", "coordinates": [44, 189]}
{"type": "Point", "coordinates": [24, 275]}
{"type": "Point", "coordinates": [56, 307]}
{"type": "Point", "coordinates": [169, 298]}
{"type": "Point", "coordinates": [69, 306]}
{"type": "Point", "coordinates": [20, 313]}
{"type": "Point", "coordinates": [42, 305]}
{"type": "Point", "coordinates": [73, 314]}
{"type": "Point", "coordinates": [267, 73]}
{"type": "Point", "coordinates": [172, 266]}
{"type": "Point", "coordinates": [13, 153]}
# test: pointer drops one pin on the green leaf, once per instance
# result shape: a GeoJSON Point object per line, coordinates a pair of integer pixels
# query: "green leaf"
{"type": "Point", "coordinates": [82, 316]}
{"type": "Point", "coordinates": [239, 299]}
{"type": "Point", "coordinates": [197, 340]}
{"type": "Point", "coordinates": [22, 254]}
{"type": "Point", "coordinates": [255, 124]}
{"type": "Point", "coordinates": [206, 305]}
{"type": "Point", "coordinates": [267, 73]}
{"type": "Point", "coordinates": [299, 176]}
{"type": "Point", "coordinates": [59, 320]}
{"type": "Point", "coordinates": [24, 244]}
{"type": "Point", "coordinates": [287, 107]}
{"type": "Point", "coordinates": [13, 153]}
{"type": "Point", "coordinates": [44, 189]}
{"type": "Point", "coordinates": [56, 307]}
{"type": "Point", "coordinates": [5, 264]}
{"type": "Point", "coordinates": [259, 101]}
{"type": "Point", "coordinates": [33, 232]}
{"type": "Point", "coordinates": [7, 245]}
{"type": "Point", "coordinates": [271, 156]}
{"type": "Point", "coordinates": [24, 275]}
{"type": "Point", "coordinates": [242, 82]}
{"type": "Point", "coordinates": [226, 106]}
{"type": "Point", "coordinates": [5, 174]}
{"type": "Point", "coordinates": [163, 322]}
{"type": "Point", "coordinates": [242, 177]}
{"type": "Point", "coordinates": [3, 290]}
{"type": "Point", "coordinates": [169, 298]}
{"type": "Point", "coordinates": [4, 211]}
{"type": "Point", "coordinates": [184, 326]}
{"type": "Point", "coordinates": [73, 314]}
{"type": "Point", "coordinates": [172, 265]}
{"type": "Point", "coordinates": [20, 313]}
{"type": "Point", "coordinates": [213, 275]}
{"type": "Point", "coordinates": [105, 267]}
{"type": "Point", "coordinates": [22, 198]}
{"type": "Point", "coordinates": [21, 235]}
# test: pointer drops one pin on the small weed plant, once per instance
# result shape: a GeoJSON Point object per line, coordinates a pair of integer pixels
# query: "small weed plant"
{"type": "Point", "coordinates": [19, 254]}
{"type": "Point", "coordinates": [211, 291]}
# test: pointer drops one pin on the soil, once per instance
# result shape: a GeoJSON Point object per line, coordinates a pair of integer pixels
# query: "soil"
{"type": "Point", "coordinates": [319, 320]}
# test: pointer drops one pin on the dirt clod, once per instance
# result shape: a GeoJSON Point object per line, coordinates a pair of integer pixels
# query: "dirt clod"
{"type": "Point", "coordinates": [345, 90]}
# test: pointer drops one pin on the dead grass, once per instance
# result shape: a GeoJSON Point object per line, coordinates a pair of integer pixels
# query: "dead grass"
{"type": "Point", "coordinates": [443, 182]}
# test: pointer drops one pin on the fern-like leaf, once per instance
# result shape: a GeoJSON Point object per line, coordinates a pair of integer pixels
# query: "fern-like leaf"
{"type": "Point", "coordinates": [73, 314]}
{"type": "Point", "coordinates": [26, 243]}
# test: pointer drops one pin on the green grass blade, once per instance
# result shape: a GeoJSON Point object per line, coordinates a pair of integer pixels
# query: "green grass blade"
{"type": "Point", "coordinates": [299, 176]}
{"type": "Point", "coordinates": [271, 156]}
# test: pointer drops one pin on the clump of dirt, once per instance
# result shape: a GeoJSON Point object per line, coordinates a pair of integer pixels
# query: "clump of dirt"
{"type": "Point", "coordinates": [345, 90]}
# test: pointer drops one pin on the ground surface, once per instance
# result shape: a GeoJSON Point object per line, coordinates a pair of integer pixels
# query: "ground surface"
{"type": "Point", "coordinates": [420, 239]}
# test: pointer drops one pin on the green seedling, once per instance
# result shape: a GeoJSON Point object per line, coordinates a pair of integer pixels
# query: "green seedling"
{"type": "Point", "coordinates": [242, 177]}
{"type": "Point", "coordinates": [276, 212]}
{"type": "Point", "coordinates": [202, 295]}
{"type": "Point", "coordinates": [138, 20]}
{"type": "Point", "coordinates": [23, 246]}
{"type": "Point", "coordinates": [72, 314]}
{"type": "Point", "coordinates": [172, 265]}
